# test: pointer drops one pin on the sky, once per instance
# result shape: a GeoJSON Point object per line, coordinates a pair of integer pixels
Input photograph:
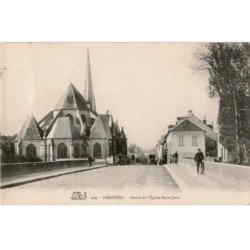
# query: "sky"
{"type": "Point", "coordinates": [144, 85]}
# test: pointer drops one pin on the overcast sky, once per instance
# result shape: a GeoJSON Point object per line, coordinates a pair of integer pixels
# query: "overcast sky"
{"type": "Point", "coordinates": [144, 85]}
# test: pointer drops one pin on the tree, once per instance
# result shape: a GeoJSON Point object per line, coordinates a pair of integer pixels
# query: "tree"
{"type": "Point", "coordinates": [229, 74]}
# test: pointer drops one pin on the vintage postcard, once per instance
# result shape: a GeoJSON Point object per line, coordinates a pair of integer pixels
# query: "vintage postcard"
{"type": "Point", "coordinates": [125, 123]}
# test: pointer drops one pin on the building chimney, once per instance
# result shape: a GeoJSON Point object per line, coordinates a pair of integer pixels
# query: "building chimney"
{"type": "Point", "coordinates": [204, 120]}
{"type": "Point", "coordinates": [190, 113]}
{"type": "Point", "coordinates": [107, 115]}
{"type": "Point", "coordinates": [211, 126]}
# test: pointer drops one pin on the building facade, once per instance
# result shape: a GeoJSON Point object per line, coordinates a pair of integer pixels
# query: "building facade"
{"type": "Point", "coordinates": [73, 129]}
{"type": "Point", "coordinates": [187, 135]}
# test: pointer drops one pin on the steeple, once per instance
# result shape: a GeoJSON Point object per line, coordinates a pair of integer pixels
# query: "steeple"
{"type": "Point", "coordinates": [88, 90]}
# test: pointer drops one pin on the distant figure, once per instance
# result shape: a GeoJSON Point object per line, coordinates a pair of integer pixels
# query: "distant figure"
{"type": "Point", "coordinates": [133, 159]}
{"type": "Point", "coordinates": [127, 160]}
{"type": "Point", "coordinates": [90, 159]}
{"type": "Point", "coordinates": [199, 157]}
{"type": "Point", "coordinates": [120, 159]}
{"type": "Point", "coordinates": [241, 156]}
{"type": "Point", "coordinates": [116, 159]}
{"type": "Point", "coordinates": [176, 157]}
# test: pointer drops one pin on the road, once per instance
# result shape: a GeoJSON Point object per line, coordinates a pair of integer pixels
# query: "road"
{"type": "Point", "coordinates": [136, 180]}
{"type": "Point", "coordinates": [113, 177]}
{"type": "Point", "coordinates": [113, 180]}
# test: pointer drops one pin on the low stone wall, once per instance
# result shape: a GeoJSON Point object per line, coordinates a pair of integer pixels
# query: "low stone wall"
{"type": "Point", "coordinates": [227, 171]}
{"type": "Point", "coordinates": [17, 169]}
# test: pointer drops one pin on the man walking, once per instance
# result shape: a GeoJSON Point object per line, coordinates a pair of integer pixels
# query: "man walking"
{"type": "Point", "coordinates": [90, 159]}
{"type": "Point", "coordinates": [176, 157]}
{"type": "Point", "coordinates": [199, 157]}
{"type": "Point", "coordinates": [133, 159]}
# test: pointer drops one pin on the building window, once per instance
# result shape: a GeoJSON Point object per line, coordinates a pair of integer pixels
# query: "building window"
{"type": "Point", "coordinates": [70, 117]}
{"type": "Point", "coordinates": [211, 144]}
{"type": "Point", "coordinates": [97, 151]}
{"type": "Point", "coordinates": [84, 150]}
{"type": "Point", "coordinates": [62, 151]}
{"type": "Point", "coordinates": [83, 118]}
{"type": "Point", "coordinates": [194, 141]}
{"type": "Point", "coordinates": [181, 140]}
{"type": "Point", "coordinates": [77, 150]}
{"type": "Point", "coordinates": [77, 121]}
{"type": "Point", "coordinates": [31, 151]}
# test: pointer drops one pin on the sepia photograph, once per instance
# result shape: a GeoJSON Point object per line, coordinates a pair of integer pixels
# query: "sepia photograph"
{"type": "Point", "coordinates": [125, 123]}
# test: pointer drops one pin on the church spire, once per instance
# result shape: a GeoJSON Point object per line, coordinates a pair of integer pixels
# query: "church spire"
{"type": "Point", "coordinates": [88, 90]}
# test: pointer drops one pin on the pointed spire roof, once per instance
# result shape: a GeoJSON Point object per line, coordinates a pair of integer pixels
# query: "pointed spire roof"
{"type": "Point", "coordinates": [123, 135]}
{"type": "Point", "coordinates": [100, 128]}
{"type": "Point", "coordinates": [88, 90]}
{"type": "Point", "coordinates": [71, 99]}
{"type": "Point", "coordinates": [117, 128]}
{"type": "Point", "coordinates": [30, 130]}
{"type": "Point", "coordinates": [64, 129]}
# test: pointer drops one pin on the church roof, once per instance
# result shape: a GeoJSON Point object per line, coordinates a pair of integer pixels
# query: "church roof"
{"type": "Point", "coordinates": [72, 99]}
{"type": "Point", "coordinates": [100, 128]}
{"type": "Point", "coordinates": [30, 130]}
{"type": "Point", "coordinates": [64, 129]}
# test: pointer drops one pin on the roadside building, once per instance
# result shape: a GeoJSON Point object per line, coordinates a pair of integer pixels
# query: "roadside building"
{"type": "Point", "coordinates": [188, 134]}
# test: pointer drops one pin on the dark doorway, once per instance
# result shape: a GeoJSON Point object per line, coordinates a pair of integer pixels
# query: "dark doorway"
{"type": "Point", "coordinates": [62, 151]}
{"type": "Point", "coordinates": [31, 151]}
{"type": "Point", "coordinates": [77, 152]}
{"type": "Point", "coordinates": [97, 152]}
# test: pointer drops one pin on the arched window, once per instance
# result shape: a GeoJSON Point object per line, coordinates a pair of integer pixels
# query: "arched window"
{"type": "Point", "coordinates": [97, 151]}
{"type": "Point", "coordinates": [62, 151]}
{"type": "Point", "coordinates": [84, 150]}
{"type": "Point", "coordinates": [77, 152]}
{"type": "Point", "coordinates": [70, 117]}
{"type": "Point", "coordinates": [83, 118]}
{"type": "Point", "coordinates": [31, 151]}
{"type": "Point", "coordinates": [77, 120]}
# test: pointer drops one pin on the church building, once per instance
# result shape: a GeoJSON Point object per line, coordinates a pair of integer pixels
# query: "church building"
{"type": "Point", "coordinates": [73, 129]}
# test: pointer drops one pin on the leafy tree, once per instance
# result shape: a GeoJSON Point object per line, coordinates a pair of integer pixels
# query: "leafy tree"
{"type": "Point", "coordinates": [229, 74]}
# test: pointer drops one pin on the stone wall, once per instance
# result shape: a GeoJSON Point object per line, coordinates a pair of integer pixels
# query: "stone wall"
{"type": "Point", "coordinates": [17, 169]}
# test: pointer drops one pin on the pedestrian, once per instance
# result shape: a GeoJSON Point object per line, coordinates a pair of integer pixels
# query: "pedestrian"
{"type": "Point", "coordinates": [199, 157]}
{"type": "Point", "coordinates": [241, 156]}
{"type": "Point", "coordinates": [176, 157]}
{"type": "Point", "coordinates": [119, 159]}
{"type": "Point", "coordinates": [90, 159]}
{"type": "Point", "coordinates": [133, 159]}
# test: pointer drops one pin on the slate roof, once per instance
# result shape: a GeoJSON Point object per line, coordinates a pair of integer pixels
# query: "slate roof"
{"type": "Point", "coordinates": [72, 99]}
{"type": "Point", "coordinates": [193, 119]}
{"type": "Point", "coordinates": [30, 130]}
{"type": "Point", "coordinates": [64, 129]}
{"type": "Point", "coordinates": [209, 132]}
{"type": "Point", "coordinates": [100, 128]}
{"type": "Point", "coordinates": [187, 125]}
